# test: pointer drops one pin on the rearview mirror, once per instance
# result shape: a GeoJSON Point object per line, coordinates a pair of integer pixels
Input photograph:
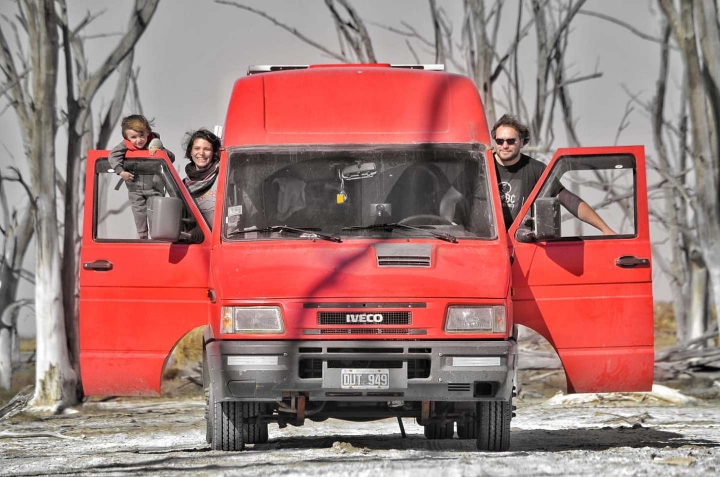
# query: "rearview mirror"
{"type": "Point", "coordinates": [361, 170]}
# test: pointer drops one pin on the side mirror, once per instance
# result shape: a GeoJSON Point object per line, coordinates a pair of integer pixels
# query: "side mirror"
{"type": "Point", "coordinates": [546, 224]}
{"type": "Point", "coordinates": [165, 218]}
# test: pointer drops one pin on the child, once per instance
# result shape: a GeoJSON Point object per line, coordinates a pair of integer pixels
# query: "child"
{"type": "Point", "coordinates": [141, 187]}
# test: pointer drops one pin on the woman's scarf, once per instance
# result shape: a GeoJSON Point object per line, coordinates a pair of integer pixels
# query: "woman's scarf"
{"type": "Point", "coordinates": [200, 180]}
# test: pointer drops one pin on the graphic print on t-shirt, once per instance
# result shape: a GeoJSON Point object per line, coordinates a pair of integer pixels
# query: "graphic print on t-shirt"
{"type": "Point", "coordinates": [515, 183]}
{"type": "Point", "coordinates": [512, 196]}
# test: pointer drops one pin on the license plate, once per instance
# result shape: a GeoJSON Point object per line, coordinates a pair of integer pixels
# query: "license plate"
{"type": "Point", "coordinates": [364, 379]}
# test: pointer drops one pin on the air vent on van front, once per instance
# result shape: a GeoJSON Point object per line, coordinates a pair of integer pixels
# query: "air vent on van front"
{"type": "Point", "coordinates": [403, 255]}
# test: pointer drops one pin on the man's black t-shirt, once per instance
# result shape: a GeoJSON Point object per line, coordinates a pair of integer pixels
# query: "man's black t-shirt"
{"type": "Point", "coordinates": [515, 183]}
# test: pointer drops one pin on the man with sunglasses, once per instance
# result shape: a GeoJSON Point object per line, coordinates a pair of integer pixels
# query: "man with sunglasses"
{"type": "Point", "coordinates": [518, 173]}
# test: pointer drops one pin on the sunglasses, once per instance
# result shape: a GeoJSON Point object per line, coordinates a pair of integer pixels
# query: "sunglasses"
{"type": "Point", "coordinates": [500, 141]}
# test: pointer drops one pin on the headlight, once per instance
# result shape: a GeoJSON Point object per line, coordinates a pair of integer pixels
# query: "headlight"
{"type": "Point", "coordinates": [473, 319]}
{"type": "Point", "coordinates": [251, 319]}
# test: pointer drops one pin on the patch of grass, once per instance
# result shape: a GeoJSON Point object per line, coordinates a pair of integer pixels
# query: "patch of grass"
{"type": "Point", "coordinates": [189, 348]}
{"type": "Point", "coordinates": [20, 378]}
{"type": "Point", "coordinates": [664, 325]}
{"type": "Point", "coordinates": [27, 345]}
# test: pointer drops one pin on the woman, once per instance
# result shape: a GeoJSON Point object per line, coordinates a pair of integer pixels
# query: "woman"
{"type": "Point", "coordinates": [203, 149]}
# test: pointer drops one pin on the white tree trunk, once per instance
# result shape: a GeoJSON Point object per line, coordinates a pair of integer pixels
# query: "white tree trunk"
{"type": "Point", "coordinates": [55, 379]}
{"type": "Point", "coordinates": [5, 356]}
{"type": "Point", "coordinates": [15, 345]}
{"type": "Point", "coordinates": [697, 320]}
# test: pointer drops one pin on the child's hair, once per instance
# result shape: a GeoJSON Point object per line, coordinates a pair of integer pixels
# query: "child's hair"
{"type": "Point", "coordinates": [136, 122]}
{"type": "Point", "coordinates": [191, 137]}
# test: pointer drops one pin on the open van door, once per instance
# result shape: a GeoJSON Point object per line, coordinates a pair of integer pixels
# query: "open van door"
{"type": "Point", "coordinates": [138, 296]}
{"type": "Point", "coordinates": [588, 294]}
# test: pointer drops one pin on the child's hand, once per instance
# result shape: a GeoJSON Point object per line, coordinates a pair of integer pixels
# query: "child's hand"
{"type": "Point", "coordinates": [154, 145]}
{"type": "Point", "coordinates": [127, 176]}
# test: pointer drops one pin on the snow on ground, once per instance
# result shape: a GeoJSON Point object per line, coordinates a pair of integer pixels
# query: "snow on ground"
{"type": "Point", "coordinates": [167, 437]}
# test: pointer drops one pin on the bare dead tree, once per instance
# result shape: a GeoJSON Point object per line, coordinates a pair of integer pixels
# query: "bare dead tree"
{"type": "Point", "coordinates": [674, 202]}
{"type": "Point", "coordinates": [696, 30]}
{"type": "Point", "coordinates": [17, 231]}
{"type": "Point", "coordinates": [82, 86]}
{"type": "Point", "coordinates": [675, 210]}
{"type": "Point", "coordinates": [57, 380]}
{"type": "Point", "coordinates": [479, 43]}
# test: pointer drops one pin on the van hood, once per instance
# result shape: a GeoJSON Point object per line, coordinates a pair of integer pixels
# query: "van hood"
{"type": "Point", "coordinates": [304, 269]}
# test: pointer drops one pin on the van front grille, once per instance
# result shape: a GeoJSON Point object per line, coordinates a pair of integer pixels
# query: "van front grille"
{"type": "Point", "coordinates": [365, 331]}
{"type": "Point", "coordinates": [346, 318]}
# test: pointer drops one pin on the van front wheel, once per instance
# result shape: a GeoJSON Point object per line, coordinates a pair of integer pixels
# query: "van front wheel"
{"type": "Point", "coordinates": [227, 426]}
{"type": "Point", "coordinates": [492, 424]}
{"type": "Point", "coordinates": [254, 430]}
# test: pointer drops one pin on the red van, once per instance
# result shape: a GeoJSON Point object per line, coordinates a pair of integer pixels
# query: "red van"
{"type": "Point", "coordinates": [357, 266]}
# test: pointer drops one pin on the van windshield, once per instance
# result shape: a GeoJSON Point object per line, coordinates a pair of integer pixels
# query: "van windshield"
{"type": "Point", "coordinates": [350, 192]}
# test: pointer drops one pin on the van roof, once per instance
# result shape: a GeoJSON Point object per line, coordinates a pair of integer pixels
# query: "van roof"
{"type": "Point", "coordinates": [353, 104]}
{"type": "Point", "coordinates": [255, 69]}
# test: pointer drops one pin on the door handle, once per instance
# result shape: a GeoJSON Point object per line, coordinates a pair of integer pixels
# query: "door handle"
{"type": "Point", "coordinates": [98, 265]}
{"type": "Point", "coordinates": [628, 261]}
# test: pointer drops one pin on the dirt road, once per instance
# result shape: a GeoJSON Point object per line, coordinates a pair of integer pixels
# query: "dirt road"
{"type": "Point", "coordinates": [167, 437]}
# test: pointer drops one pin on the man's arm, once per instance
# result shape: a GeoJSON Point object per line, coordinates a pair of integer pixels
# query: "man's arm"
{"type": "Point", "coordinates": [580, 209]}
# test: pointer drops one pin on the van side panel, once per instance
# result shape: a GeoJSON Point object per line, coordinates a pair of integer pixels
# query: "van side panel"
{"type": "Point", "coordinates": [141, 300]}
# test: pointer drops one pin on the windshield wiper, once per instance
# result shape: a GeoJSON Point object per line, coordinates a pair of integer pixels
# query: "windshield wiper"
{"type": "Point", "coordinates": [310, 232]}
{"type": "Point", "coordinates": [398, 225]}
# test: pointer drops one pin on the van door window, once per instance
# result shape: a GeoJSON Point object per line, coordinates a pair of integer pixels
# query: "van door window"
{"type": "Point", "coordinates": [123, 209]}
{"type": "Point", "coordinates": [606, 183]}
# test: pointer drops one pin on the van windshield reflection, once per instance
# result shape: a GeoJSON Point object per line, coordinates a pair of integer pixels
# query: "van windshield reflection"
{"type": "Point", "coordinates": [403, 191]}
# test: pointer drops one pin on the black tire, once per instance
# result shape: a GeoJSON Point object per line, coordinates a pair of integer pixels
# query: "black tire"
{"type": "Point", "coordinates": [492, 425]}
{"type": "Point", "coordinates": [254, 432]}
{"type": "Point", "coordinates": [227, 426]}
{"type": "Point", "coordinates": [437, 430]}
{"type": "Point", "coordinates": [467, 429]}
{"type": "Point", "coordinates": [208, 402]}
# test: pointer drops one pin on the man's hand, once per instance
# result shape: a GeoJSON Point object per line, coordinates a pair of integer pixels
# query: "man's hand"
{"type": "Point", "coordinates": [127, 176]}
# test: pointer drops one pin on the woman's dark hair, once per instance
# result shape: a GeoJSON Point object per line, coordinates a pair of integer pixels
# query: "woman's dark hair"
{"type": "Point", "coordinates": [513, 122]}
{"type": "Point", "coordinates": [191, 137]}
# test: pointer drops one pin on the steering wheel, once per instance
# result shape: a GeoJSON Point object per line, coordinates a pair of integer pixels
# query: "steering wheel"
{"type": "Point", "coordinates": [425, 219]}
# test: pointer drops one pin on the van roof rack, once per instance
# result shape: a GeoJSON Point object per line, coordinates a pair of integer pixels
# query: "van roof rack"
{"type": "Point", "coordinates": [255, 69]}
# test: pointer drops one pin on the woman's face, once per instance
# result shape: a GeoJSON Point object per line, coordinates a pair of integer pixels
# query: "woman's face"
{"type": "Point", "coordinates": [201, 153]}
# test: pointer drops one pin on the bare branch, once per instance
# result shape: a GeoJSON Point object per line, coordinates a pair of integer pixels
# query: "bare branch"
{"type": "Point", "coordinates": [293, 31]}
{"type": "Point", "coordinates": [623, 122]}
{"type": "Point", "coordinates": [439, 46]}
{"type": "Point", "coordinates": [14, 81]}
{"type": "Point", "coordinates": [116, 106]}
{"type": "Point", "coordinates": [623, 24]}
{"type": "Point", "coordinates": [85, 22]}
{"type": "Point", "coordinates": [412, 51]}
{"type": "Point", "coordinates": [25, 185]}
{"type": "Point", "coordinates": [143, 12]}
{"type": "Point", "coordinates": [359, 26]}
{"type": "Point", "coordinates": [136, 103]}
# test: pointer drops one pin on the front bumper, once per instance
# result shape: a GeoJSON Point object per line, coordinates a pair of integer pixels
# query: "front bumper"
{"type": "Point", "coordinates": [418, 370]}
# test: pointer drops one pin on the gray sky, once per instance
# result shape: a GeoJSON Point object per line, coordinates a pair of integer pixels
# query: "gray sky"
{"type": "Point", "coordinates": [194, 50]}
